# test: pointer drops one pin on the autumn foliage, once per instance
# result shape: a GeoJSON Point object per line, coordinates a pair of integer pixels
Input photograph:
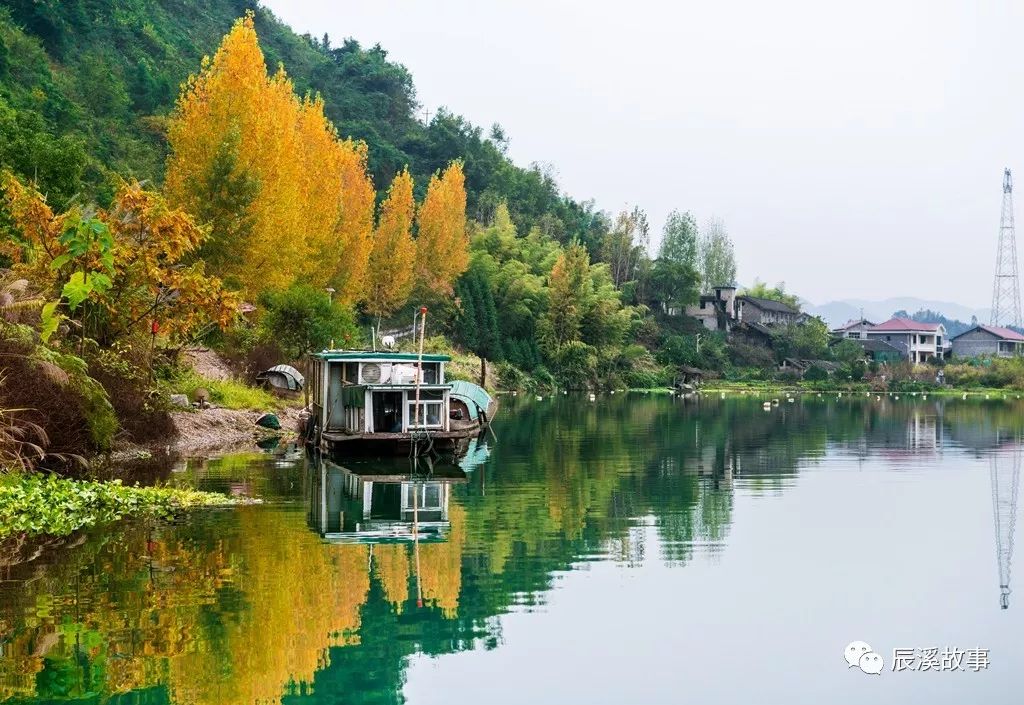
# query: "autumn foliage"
{"type": "Point", "coordinates": [143, 254]}
{"type": "Point", "coordinates": [442, 247]}
{"type": "Point", "coordinates": [391, 261]}
{"type": "Point", "coordinates": [285, 196]}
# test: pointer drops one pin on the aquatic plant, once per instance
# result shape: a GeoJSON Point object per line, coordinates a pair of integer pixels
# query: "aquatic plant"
{"type": "Point", "coordinates": [45, 504]}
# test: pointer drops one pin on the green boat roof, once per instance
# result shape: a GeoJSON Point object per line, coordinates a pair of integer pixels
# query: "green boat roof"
{"type": "Point", "coordinates": [370, 356]}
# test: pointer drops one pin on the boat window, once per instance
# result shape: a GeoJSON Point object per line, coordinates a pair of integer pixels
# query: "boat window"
{"type": "Point", "coordinates": [430, 372]}
{"type": "Point", "coordinates": [430, 414]}
{"type": "Point", "coordinates": [352, 372]}
{"type": "Point", "coordinates": [428, 496]}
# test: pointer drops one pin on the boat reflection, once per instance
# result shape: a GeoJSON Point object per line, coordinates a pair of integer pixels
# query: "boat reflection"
{"type": "Point", "coordinates": [381, 503]}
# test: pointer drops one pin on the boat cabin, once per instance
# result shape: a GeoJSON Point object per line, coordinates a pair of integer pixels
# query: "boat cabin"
{"type": "Point", "coordinates": [366, 392]}
{"type": "Point", "coordinates": [367, 400]}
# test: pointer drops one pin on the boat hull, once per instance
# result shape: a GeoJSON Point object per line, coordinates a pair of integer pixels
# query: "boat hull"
{"type": "Point", "coordinates": [453, 441]}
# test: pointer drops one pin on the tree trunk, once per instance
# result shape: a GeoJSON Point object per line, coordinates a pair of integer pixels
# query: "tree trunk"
{"type": "Point", "coordinates": [483, 372]}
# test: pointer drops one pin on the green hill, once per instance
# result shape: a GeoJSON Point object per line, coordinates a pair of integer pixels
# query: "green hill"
{"type": "Point", "coordinates": [86, 85]}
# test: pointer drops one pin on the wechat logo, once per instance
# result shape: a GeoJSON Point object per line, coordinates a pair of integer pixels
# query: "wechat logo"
{"type": "Point", "coordinates": [861, 655]}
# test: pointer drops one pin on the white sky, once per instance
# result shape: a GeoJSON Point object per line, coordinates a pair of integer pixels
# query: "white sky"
{"type": "Point", "coordinates": [853, 149]}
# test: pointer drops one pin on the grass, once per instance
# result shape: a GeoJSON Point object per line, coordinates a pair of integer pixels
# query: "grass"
{"type": "Point", "coordinates": [44, 504]}
{"type": "Point", "coordinates": [229, 394]}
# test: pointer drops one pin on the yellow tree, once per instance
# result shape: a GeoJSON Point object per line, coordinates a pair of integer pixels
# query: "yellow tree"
{"type": "Point", "coordinates": [442, 246]}
{"type": "Point", "coordinates": [233, 142]}
{"type": "Point", "coordinates": [284, 196]}
{"type": "Point", "coordinates": [389, 280]}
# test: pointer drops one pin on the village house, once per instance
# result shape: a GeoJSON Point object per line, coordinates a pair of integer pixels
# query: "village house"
{"type": "Point", "coordinates": [992, 341]}
{"type": "Point", "coordinates": [853, 329]}
{"type": "Point", "coordinates": [916, 341]}
{"type": "Point", "coordinates": [768, 312]}
{"type": "Point", "coordinates": [717, 310]}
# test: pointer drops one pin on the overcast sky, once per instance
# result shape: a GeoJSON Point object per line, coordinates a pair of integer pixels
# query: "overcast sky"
{"type": "Point", "coordinates": [853, 149]}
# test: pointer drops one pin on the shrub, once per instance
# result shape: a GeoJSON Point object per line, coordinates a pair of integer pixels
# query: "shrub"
{"type": "Point", "coordinates": [57, 394]}
{"type": "Point", "coordinates": [816, 374]}
{"type": "Point", "coordinates": [143, 413]}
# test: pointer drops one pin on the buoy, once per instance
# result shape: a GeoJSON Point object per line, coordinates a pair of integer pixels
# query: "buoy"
{"type": "Point", "coordinates": [540, 398]}
{"type": "Point", "coordinates": [767, 406]}
{"type": "Point", "coordinates": [924, 397]}
{"type": "Point", "coordinates": [790, 400]}
{"type": "Point", "coordinates": [840, 395]}
{"type": "Point", "coordinates": [878, 398]}
{"type": "Point", "coordinates": [722, 396]}
{"type": "Point", "coordinates": [593, 396]}
{"type": "Point", "coordinates": [964, 396]}
{"type": "Point", "coordinates": [897, 397]}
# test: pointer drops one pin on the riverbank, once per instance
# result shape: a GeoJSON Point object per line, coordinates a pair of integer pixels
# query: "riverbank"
{"type": "Point", "coordinates": [33, 504]}
{"type": "Point", "coordinates": [767, 387]}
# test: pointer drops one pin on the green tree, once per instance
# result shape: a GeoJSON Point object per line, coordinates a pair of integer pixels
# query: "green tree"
{"type": "Point", "coordinates": [778, 292]}
{"type": "Point", "coordinates": [673, 284]}
{"type": "Point", "coordinates": [808, 340]}
{"type": "Point", "coordinates": [302, 319]}
{"type": "Point", "coordinates": [679, 239]}
{"type": "Point", "coordinates": [477, 321]}
{"type": "Point", "coordinates": [717, 258]}
{"type": "Point", "coordinates": [625, 245]}
{"type": "Point", "coordinates": [569, 286]}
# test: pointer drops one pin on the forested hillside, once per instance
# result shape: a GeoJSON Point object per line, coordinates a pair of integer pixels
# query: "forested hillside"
{"type": "Point", "coordinates": [86, 87]}
{"type": "Point", "coordinates": [305, 166]}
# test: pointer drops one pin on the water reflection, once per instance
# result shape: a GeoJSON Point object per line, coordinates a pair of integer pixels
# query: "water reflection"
{"type": "Point", "coordinates": [352, 570]}
{"type": "Point", "coordinates": [1005, 476]}
{"type": "Point", "coordinates": [381, 503]}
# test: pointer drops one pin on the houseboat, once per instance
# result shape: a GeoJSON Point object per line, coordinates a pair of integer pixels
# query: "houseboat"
{"type": "Point", "coordinates": [365, 401]}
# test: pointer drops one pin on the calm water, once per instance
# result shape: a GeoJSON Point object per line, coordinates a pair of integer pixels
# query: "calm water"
{"type": "Point", "coordinates": [638, 549]}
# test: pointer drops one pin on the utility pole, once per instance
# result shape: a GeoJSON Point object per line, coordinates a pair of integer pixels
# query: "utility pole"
{"type": "Point", "coordinates": [1006, 287]}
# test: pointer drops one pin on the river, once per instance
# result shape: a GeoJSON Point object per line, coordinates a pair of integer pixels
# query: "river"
{"type": "Point", "coordinates": [635, 549]}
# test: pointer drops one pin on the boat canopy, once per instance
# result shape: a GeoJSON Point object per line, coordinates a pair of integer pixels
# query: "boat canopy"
{"type": "Point", "coordinates": [283, 377]}
{"type": "Point", "coordinates": [368, 356]}
{"type": "Point", "coordinates": [474, 396]}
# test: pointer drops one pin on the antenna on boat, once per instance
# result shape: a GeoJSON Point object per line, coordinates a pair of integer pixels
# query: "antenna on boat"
{"type": "Point", "coordinates": [419, 361]}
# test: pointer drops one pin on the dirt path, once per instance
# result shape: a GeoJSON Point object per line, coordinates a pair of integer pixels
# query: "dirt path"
{"type": "Point", "coordinates": [219, 430]}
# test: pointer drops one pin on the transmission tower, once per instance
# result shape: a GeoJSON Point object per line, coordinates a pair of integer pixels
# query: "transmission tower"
{"type": "Point", "coordinates": [1006, 289]}
{"type": "Point", "coordinates": [1005, 475]}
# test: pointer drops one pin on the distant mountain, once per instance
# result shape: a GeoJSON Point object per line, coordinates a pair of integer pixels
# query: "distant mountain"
{"type": "Point", "coordinates": [836, 313]}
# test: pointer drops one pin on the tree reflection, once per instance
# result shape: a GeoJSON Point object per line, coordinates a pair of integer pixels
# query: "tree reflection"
{"type": "Point", "coordinates": [253, 605]}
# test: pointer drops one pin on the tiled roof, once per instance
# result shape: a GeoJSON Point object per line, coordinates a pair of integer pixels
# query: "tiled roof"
{"type": "Point", "coordinates": [998, 331]}
{"type": "Point", "coordinates": [906, 324]}
{"type": "Point", "coordinates": [876, 345]}
{"type": "Point", "coordinates": [854, 324]}
{"type": "Point", "coordinates": [769, 304]}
